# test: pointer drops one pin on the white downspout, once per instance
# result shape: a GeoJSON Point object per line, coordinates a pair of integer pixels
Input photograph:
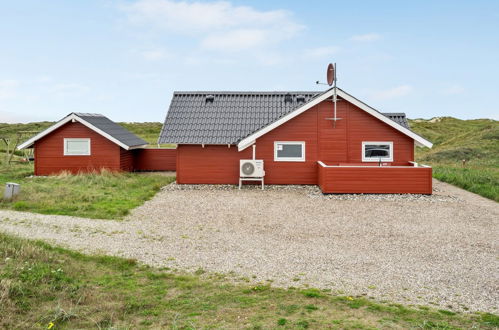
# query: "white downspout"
{"type": "Point", "coordinates": [254, 152]}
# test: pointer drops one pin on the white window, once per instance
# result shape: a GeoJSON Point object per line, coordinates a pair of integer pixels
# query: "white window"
{"type": "Point", "coordinates": [377, 151]}
{"type": "Point", "coordinates": [76, 147]}
{"type": "Point", "coordinates": [289, 151]}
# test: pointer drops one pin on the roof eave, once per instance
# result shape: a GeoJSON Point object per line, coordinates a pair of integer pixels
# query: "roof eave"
{"type": "Point", "coordinates": [74, 117]}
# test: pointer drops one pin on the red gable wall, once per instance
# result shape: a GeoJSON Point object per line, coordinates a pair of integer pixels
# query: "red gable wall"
{"type": "Point", "coordinates": [50, 159]}
{"type": "Point", "coordinates": [341, 144]}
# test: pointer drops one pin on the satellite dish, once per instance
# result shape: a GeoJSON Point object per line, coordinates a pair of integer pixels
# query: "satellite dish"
{"type": "Point", "coordinates": [330, 74]}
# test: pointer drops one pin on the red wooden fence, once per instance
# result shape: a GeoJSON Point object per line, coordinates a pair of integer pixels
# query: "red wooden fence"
{"type": "Point", "coordinates": [375, 179]}
{"type": "Point", "coordinates": [155, 159]}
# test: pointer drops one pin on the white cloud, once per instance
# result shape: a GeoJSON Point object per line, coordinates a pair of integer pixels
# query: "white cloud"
{"type": "Point", "coordinates": [392, 93]}
{"type": "Point", "coordinates": [220, 25]}
{"type": "Point", "coordinates": [155, 54]}
{"type": "Point", "coordinates": [236, 40]}
{"type": "Point", "coordinates": [8, 89]}
{"type": "Point", "coordinates": [9, 117]}
{"type": "Point", "coordinates": [320, 52]}
{"type": "Point", "coordinates": [44, 79]}
{"type": "Point", "coordinates": [366, 37]}
{"type": "Point", "coordinates": [453, 90]}
{"type": "Point", "coordinates": [66, 89]}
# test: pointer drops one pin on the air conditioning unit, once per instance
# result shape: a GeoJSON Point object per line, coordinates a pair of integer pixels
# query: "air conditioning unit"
{"type": "Point", "coordinates": [251, 168]}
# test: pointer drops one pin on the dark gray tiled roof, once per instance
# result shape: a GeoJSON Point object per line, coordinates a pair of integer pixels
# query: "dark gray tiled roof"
{"type": "Point", "coordinates": [398, 117]}
{"type": "Point", "coordinates": [110, 127]}
{"type": "Point", "coordinates": [229, 117]}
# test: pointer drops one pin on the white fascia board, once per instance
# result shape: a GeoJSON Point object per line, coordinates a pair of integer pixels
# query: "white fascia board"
{"type": "Point", "coordinates": [81, 121]}
{"type": "Point", "coordinates": [246, 142]}
{"type": "Point", "coordinates": [52, 128]}
{"type": "Point", "coordinates": [418, 139]}
{"type": "Point", "coordinates": [142, 147]}
{"type": "Point", "coordinates": [104, 134]}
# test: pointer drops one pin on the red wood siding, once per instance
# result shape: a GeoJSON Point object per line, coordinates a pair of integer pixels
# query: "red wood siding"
{"type": "Point", "coordinates": [155, 159]}
{"type": "Point", "coordinates": [126, 160]}
{"type": "Point", "coordinates": [364, 127]}
{"type": "Point", "coordinates": [209, 165]}
{"type": "Point", "coordinates": [301, 128]}
{"type": "Point", "coordinates": [324, 140]}
{"type": "Point", "coordinates": [373, 179]}
{"type": "Point", "coordinates": [49, 152]}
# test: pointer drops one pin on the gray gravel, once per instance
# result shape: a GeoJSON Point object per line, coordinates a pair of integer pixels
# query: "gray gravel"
{"type": "Point", "coordinates": [437, 250]}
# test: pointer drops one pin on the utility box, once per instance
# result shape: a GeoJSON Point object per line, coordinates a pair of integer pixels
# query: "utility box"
{"type": "Point", "coordinates": [11, 190]}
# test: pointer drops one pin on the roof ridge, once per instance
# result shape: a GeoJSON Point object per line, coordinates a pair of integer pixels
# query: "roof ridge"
{"type": "Point", "coordinates": [248, 92]}
{"type": "Point", "coordinates": [88, 114]}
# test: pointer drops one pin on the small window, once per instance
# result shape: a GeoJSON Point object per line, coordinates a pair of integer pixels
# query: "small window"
{"type": "Point", "coordinates": [76, 147]}
{"type": "Point", "coordinates": [377, 151]}
{"type": "Point", "coordinates": [289, 151]}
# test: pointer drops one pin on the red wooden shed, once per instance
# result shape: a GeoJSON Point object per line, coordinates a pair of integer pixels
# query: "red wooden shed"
{"type": "Point", "coordinates": [298, 138]}
{"type": "Point", "coordinates": [85, 142]}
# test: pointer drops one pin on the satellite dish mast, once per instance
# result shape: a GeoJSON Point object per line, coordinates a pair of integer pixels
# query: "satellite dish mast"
{"type": "Point", "coordinates": [331, 80]}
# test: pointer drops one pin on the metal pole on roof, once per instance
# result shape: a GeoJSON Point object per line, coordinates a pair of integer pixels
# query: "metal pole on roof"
{"type": "Point", "coordinates": [334, 95]}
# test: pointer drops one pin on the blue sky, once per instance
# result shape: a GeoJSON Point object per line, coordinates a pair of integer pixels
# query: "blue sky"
{"type": "Point", "coordinates": [125, 58]}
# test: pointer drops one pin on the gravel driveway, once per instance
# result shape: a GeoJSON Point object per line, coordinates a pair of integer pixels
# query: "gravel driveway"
{"type": "Point", "coordinates": [440, 249]}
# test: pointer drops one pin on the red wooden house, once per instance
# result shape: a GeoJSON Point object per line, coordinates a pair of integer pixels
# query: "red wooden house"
{"type": "Point", "coordinates": [84, 142]}
{"type": "Point", "coordinates": [362, 151]}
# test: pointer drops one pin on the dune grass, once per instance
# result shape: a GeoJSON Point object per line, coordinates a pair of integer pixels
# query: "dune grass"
{"type": "Point", "coordinates": [43, 286]}
{"type": "Point", "coordinates": [476, 142]}
{"type": "Point", "coordinates": [104, 195]}
{"type": "Point", "coordinates": [482, 181]}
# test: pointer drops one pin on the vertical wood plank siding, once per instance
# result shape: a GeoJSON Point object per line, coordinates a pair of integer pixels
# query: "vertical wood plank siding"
{"type": "Point", "coordinates": [49, 152]}
{"type": "Point", "coordinates": [126, 160]}
{"type": "Point", "coordinates": [155, 159]}
{"type": "Point", "coordinates": [332, 143]}
{"type": "Point", "coordinates": [395, 180]}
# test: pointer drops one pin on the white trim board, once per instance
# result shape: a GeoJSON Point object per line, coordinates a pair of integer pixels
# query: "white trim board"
{"type": "Point", "coordinates": [74, 117]}
{"type": "Point", "coordinates": [248, 141]}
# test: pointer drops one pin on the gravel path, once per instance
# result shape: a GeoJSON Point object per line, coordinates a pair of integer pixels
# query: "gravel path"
{"type": "Point", "coordinates": [440, 249]}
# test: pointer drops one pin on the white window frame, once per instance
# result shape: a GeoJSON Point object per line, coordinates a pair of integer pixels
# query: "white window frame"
{"type": "Point", "coordinates": [65, 147]}
{"type": "Point", "coordinates": [372, 159]}
{"type": "Point", "coordinates": [289, 159]}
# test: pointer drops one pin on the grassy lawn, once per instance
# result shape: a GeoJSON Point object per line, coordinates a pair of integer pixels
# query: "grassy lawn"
{"type": "Point", "coordinates": [455, 140]}
{"type": "Point", "coordinates": [104, 196]}
{"type": "Point", "coordinates": [42, 285]}
{"type": "Point", "coordinates": [480, 180]}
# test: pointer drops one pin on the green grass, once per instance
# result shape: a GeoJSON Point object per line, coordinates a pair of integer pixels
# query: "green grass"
{"type": "Point", "coordinates": [42, 285]}
{"type": "Point", "coordinates": [475, 141]}
{"type": "Point", "coordinates": [483, 181]}
{"type": "Point", "coordinates": [105, 195]}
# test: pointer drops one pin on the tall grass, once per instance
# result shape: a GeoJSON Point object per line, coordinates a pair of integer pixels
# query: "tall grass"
{"type": "Point", "coordinates": [104, 195]}
{"type": "Point", "coordinates": [482, 181]}
{"type": "Point", "coordinates": [474, 141]}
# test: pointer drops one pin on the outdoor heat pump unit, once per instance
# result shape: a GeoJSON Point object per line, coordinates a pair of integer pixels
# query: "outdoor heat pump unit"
{"type": "Point", "coordinates": [251, 168]}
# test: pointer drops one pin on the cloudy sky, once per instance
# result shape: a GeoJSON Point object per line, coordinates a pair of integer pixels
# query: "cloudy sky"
{"type": "Point", "coordinates": [125, 58]}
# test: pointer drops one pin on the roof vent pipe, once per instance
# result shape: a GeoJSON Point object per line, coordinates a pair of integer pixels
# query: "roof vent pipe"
{"type": "Point", "coordinates": [209, 98]}
{"type": "Point", "coordinates": [288, 98]}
